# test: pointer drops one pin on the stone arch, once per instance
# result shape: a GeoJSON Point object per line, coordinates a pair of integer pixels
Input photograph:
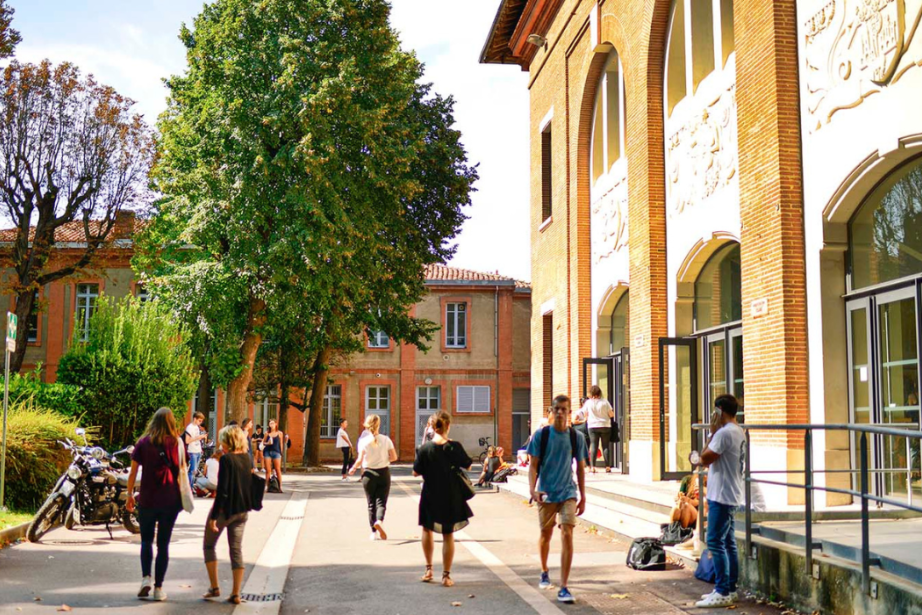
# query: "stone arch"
{"type": "Point", "coordinates": [610, 301]}
{"type": "Point", "coordinates": [688, 274]}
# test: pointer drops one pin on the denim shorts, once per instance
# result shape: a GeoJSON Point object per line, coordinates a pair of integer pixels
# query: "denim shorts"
{"type": "Point", "coordinates": [272, 455]}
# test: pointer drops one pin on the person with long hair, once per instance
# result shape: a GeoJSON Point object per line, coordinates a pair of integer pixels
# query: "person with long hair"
{"type": "Point", "coordinates": [160, 453]}
{"type": "Point", "coordinates": [231, 506]}
{"type": "Point", "coordinates": [599, 414]}
{"type": "Point", "coordinates": [443, 508]}
{"type": "Point", "coordinates": [376, 452]}
{"type": "Point", "coordinates": [272, 452]}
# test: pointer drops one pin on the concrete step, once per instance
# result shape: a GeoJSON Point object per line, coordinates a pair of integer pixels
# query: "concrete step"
{"type": "Point", "coordinates": [651, 502]}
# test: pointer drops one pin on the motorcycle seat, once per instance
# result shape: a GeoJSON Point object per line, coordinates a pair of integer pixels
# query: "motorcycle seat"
{"type": "Point", "coordinates": [122, 479]}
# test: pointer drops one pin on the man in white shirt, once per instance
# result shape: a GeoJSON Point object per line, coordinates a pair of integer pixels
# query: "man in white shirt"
{"type": "Point", "coordinates": [193, 440]}
{"type": "Point", "coordinates": [725, 455]}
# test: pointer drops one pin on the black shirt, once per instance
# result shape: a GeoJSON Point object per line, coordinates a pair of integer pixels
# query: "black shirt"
{"type": "Point", "coordinates": [234, 485]}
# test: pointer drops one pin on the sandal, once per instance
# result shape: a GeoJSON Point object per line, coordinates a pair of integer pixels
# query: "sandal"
{"type": "Point", "coordinates": [446, 579]}
{"type": "Point", "coordinates": [235, 599]}
{"type": "Point", "coordinates": [213, 592]}
{"type": "Point", "coordinates": [426, 578]}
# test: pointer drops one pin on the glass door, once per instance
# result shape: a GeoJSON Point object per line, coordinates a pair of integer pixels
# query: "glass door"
{"type": "Point", "coordinates": [621, 405]}
{"type": "Point", "coordinates": [678, 405]}
{"type": "Point", "coordinates": [600, 372]}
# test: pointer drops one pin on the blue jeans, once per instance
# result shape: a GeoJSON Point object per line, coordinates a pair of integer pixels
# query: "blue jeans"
{"type": "Point", "coordinates": [721, 541]}
{"type": "Point", "coordinates": [193, 466]}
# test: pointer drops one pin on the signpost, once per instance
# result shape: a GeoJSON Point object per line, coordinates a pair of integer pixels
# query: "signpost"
{"type": "Point", "coordinates": [11, 324]}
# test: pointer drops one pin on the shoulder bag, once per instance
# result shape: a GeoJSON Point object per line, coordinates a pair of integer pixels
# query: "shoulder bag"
{"type": "Point", "coordinates": [465, 487]}
{"type": "Point", "coordinates": [185, 489]}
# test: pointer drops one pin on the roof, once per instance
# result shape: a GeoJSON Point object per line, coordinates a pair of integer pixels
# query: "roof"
{"type": "Point", "coordinates": [496, 49]}
{"type": "Point", "coordinates": [508, 41]}
{"type": "Point", "coordinates": [456, 275]}
{"type": "Point", "coordinates": [72, 232]}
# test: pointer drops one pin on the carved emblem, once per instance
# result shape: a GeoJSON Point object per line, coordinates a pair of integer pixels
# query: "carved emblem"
{"type": "Point", "coordinates": [701, 156]}
{"type": "Point", "coordinates": [609, 221]}
{"type": "Point", "coordinates": [852, 49]}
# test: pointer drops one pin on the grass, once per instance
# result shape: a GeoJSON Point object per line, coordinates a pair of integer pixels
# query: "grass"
{"type": "Point", "coordinates": [12, 518]}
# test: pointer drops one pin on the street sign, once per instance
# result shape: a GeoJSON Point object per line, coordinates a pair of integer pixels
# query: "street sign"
{"type": "Point", "coordinates": [11, 324]}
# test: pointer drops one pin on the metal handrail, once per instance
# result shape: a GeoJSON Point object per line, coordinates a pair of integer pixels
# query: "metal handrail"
{"type": "Point", "coordinates": [910, 431]}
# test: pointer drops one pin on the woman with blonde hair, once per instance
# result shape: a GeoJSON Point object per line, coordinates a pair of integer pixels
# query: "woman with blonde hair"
{"type": "Point", "coordinates": [231, 504]}
{"type": "Point", "coordinates": [443, 506]}
{"type": "Point", "coordinates": [376, 453]}
{"type": "Point", "coordinates": [160, 452]}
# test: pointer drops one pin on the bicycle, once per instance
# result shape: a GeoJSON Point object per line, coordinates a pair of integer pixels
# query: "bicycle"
{"type": "Point", "coordinates": [485, 443]}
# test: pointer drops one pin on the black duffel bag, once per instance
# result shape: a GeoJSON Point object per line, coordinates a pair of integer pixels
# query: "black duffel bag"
{"type": "Point", "coordinates": [646, 554]}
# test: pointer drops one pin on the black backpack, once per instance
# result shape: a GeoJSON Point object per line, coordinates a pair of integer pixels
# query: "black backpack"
{"type": "Point", "coordinates": [545, 434]}
{"type": "Point", "coordinates": [274, 485]}
{"type": "Point", "coordinates": [646, 554]}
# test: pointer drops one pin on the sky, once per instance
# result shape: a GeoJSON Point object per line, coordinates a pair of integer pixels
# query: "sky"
{"type": "Point", "coordinates": [133, 45]}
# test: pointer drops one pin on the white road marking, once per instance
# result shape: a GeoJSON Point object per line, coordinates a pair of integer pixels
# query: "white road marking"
{"type": "Point", "coordinates": [532, 596]}
{"type": "Point", "coordinates": [271, 570]}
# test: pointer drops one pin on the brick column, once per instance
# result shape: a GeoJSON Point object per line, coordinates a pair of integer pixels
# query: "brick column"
{"type": "Point", "coordinates": [56, 330]}
{"type": "Point", "coordinates": [771, 207]}
{"type": "Point", "coordinates": [406, 447]}
{"type": "Point", "coordinates": [504, 375]}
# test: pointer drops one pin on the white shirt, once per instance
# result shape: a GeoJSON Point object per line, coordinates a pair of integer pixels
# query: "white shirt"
{"type": "Point", "coordinates": [376, 452]}
{"type": "Point", "coordinates": [193, 430]}
{"type": "Point", "coordinates": [211, 470]}
{"type": "Point", "coordinates": [597, 410]}
{"type": "Point", "coordinates": [342, 439]}
{"type": "Point", "coordinates": [725, 476]}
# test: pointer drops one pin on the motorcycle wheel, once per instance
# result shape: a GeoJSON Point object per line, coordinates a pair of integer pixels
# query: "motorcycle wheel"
{"type": "Point", "coordinates": [130, 521]}
{"type": "Point", "coordinates": [47, 517]}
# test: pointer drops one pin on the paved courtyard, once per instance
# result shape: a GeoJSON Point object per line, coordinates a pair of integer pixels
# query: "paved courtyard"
{"type": "Point", "coordinates": [312, 545]}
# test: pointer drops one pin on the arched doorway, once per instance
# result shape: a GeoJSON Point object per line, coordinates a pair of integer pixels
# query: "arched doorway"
{"type": "Point", "coordinates": [708, 360]}
{"type": "Point", "coordinates": [884, 292]}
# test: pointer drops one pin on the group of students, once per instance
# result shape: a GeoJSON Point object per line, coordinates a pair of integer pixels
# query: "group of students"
{"type": "Point", "coordinates": [443, 507]}
{"type": "Point", "coordinates": [161, 455]}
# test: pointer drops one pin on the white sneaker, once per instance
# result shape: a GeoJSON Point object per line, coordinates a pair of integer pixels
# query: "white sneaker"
{"type": "Point", "coordinates": [715, 600]}
{"type": "Point", "coordinates": [144, 592]}
{"type": "Point", "coordinates": [374, 536]}
{"type": "Point", "coordinates": [159, 594]}
{"type": "Point", "coordinates": [733, 595]}
{"type": "Point", "coordinates": [380, 528]}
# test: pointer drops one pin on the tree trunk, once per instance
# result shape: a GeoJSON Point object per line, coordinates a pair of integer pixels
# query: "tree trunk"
{"type": "Point", "coordinates": [24, 302]}
{"type": "Point", "coordinates": [252, 339]}
{"type": "Point", "coordinates": [203, 404]}
{"type": "Point", "coordinates": [318, 388]}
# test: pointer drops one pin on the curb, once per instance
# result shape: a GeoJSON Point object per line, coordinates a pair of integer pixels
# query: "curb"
{"type": "Point", "coordinates": [12, 534]}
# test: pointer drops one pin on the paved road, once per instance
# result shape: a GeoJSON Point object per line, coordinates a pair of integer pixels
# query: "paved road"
{"type": "Point", "coordinates": [335, 570]}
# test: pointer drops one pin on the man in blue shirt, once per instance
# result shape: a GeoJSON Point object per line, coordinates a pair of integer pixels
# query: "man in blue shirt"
{"type": "Point", "coordinates": [552, 448]}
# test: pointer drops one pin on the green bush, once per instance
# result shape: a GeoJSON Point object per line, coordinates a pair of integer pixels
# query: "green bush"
{"type": "Point", "coordinates": [34, 459]}
{"type": "Point", "coordinates": [134, 361]}
{"type": "Point", "coordinates": [62, 398]}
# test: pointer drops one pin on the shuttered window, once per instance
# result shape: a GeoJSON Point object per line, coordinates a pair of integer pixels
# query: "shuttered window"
{"type": "Point", "coordinates": [473, 399]}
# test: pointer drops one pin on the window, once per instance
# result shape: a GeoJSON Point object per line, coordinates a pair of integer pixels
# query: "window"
{"type": "Point", "coordinates": [456, 325]}
{"type": "Point", "coordinates": [428, 399]}
{"type": "Point", "coordinates": [265, 409]}
{"type": "Point", "coordinates": [885, 235]}
{"type": "Point", "coordinates": [718, 290]}
{"type": "Point", "coordinates": [87, 298]}
{"type": "Point", "coordinates": [690, 59]}
{"type": "Point", "coordinates": [547, 358]}
{"type": "Point", "coordinates": [32, 331]}
{"type": "Point", "coordinates": [473, 399]}
{"type": "Point", "coordinates": [608, 126]}
{"type": "Point", "coordinates": [546, 174]}
{"type": "Point", "coordinates": [332, 411]}
{"type": "Point", "coordinates": [378, 401]}
{"type": "Point", "coordinates": [378, 339]}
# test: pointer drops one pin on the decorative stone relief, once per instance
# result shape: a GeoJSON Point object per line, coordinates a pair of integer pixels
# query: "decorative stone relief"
{"type": "Point", "coordinates": [701, 156]}
{"type": "Point", "coordinates": [609, 220]}
{"type": "Point", "coordinates": [855, 48]}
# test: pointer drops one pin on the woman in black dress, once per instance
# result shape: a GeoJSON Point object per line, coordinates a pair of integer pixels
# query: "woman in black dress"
{"type": "Point", "coordinates": [442, 506]}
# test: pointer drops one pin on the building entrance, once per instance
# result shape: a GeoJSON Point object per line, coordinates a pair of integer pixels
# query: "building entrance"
{"type": "Point", "coordinates": [612, 375]}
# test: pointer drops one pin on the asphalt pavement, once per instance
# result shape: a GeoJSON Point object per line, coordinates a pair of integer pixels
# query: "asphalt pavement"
{"type": "Point", "coordinates": [312, 546]}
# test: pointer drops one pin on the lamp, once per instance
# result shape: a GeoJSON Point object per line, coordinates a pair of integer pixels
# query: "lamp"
{"type": "Point", "coordinates": [536, 39]}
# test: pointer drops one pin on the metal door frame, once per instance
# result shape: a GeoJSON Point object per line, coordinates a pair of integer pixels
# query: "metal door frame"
{"type": "Point", "coordinates": [692, 344]}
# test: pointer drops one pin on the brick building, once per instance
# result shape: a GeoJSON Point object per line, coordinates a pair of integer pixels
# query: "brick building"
{"type": "Point", "coordinates": [477, 368]}
{"type": "Point", "coordinates": [726, 197]}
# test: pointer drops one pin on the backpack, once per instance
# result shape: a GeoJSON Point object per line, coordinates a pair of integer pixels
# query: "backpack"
{"type": "Point", "coordinates": [646, 554]}
{"type": "Point", "coordinates": [274, 485]}
{"type": "Point", "coordinates": [542, 445]}
{"type": "Point", "coordinates": [674, 533]}
{"type": "Point", "coordinates": [706, 571]}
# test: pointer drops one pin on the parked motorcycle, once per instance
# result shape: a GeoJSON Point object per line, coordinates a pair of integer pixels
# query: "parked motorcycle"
{"type": "Point", "coordinates": [92, 491]}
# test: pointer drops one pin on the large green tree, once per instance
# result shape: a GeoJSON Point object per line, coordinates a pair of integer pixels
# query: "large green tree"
{"type": "Point", "coordinates": [309, 175]}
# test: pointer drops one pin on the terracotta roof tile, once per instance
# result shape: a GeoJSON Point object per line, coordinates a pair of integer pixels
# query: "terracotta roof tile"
{"type": "Point", "coordinates": [444, 273]}
{"type": "Point", "coordinates": [72, 232]}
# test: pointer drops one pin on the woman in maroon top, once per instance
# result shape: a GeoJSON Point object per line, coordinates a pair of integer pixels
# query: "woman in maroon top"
{"type": "Point", "coordinates": [159, 501]}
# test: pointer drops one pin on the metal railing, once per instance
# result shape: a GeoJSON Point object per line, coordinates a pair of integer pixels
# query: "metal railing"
{"type": "Point", "coordinates": [864, 493]}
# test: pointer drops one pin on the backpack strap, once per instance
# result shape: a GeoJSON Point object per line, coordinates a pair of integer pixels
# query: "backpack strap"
{"type": "Point", "coordinates": [573, 444]}
{"type": "Point", "coordinates": [542, 447]}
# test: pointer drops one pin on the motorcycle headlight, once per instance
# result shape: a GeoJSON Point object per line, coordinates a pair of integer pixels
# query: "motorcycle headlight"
{"type": "Point", "coordinates": [73, 473]}
{"type": "Point", "coordinates": [98, 454]}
